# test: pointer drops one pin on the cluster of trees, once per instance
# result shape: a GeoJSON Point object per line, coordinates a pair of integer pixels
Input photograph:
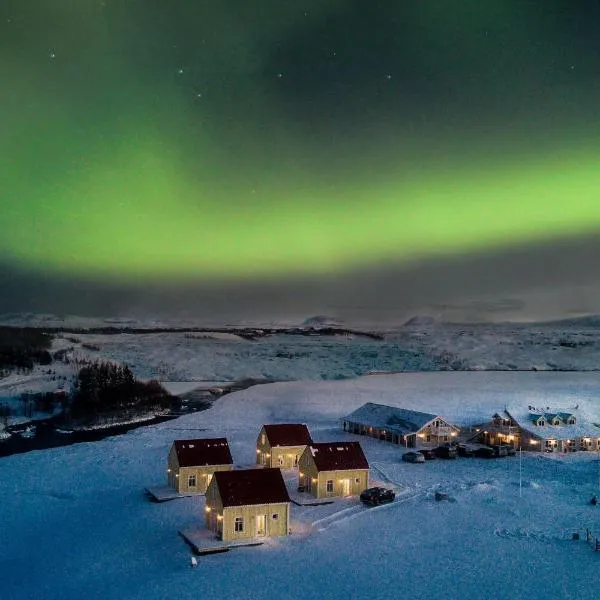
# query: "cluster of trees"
{"type": "Point", "coordinates": [22, 347]}
{"type": "Point", "coordinates": [104, 388]}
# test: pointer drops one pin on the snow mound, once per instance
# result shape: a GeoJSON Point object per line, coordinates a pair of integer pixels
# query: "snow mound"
{"type": "Point", "coordinates": [484, 487]}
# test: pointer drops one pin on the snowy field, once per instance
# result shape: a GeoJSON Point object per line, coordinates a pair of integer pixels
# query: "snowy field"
{"type": "Point", "coordinates": [190, 360]}
{"type": "Point", "coordinates": [76, 524]}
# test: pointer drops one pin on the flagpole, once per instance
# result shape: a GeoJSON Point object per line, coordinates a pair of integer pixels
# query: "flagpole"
{"type": "Point", "coordinates": [520, 471]}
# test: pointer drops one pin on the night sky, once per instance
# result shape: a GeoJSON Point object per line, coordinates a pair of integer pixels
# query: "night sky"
{"type": "Point", "coordinates": [293, 147]}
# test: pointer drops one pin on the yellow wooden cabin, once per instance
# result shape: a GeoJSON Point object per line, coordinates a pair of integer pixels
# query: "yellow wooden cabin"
{"type": "Point", "coordinates": [192, 463]}
{"type": "Point", "coordinates": [248, 503]}
{"type": "Point", "coordinates": [333, 469]}
{"type": "Point", "coordinates": [282, 445]}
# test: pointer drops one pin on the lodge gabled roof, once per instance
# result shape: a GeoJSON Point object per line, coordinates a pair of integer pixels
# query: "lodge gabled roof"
{"type": "Point", "coordinates": [288, 434]}
{"type": "Point", "coordinates": [526, 419]}
{"type": "Point", "coordinates": [338, 456]}
{"type": "Point", "coordinates": [203, 452]}
{"type": "Point", "coordinates": [391, 418]}
{"type": "Point", "coordinates": [251, 486]}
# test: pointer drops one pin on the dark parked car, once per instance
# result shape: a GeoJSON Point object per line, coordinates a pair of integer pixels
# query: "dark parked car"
{"type": "Point", "coordinates": [377, 495]}
{"type": "Point", "coordinates": [413, 457]}
{"type": "Point", "coordinates": [428, 453]}
{"type": "Point", "coordinates": [485, 452]}
{"type": "Point", "coordinates": [500, 450]}
{"type": "Point", "coordinates": [446, 451]}
{"type": "Point", "coordinates": [465, 450]}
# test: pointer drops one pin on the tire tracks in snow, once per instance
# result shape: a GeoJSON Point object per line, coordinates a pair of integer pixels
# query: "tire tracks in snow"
{"type": "Point", "coordinates": [352, 512]}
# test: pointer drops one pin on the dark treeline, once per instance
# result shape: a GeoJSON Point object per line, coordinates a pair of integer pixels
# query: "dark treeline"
{"type": "Point", "coordinates": [104, 389]}
{"type": "Point", "coordinates": [22, 347]}
{"type": "Point", "coordinates": [249, 333]}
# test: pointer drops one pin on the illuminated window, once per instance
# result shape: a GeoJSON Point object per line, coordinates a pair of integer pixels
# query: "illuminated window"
{"type": "Point", "coordinates": [239, 524]}
{"type": "Point", "coordinates": [262, 439]}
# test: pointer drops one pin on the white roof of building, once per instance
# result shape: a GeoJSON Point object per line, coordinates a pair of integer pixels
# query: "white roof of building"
{"type": "Point", "coordinates": [397, 420]}
{"type": "Point", "coordinates": [525, 416]}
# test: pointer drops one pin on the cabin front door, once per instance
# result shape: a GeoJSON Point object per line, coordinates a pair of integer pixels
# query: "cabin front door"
{"type": "Point", "coordinates": [345, 487]}
{"type": "Point", "coordinates": [261, 525]}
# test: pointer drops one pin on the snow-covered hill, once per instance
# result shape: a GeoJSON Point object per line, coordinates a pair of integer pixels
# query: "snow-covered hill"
{"type": "Point", "coordinates": [76, 524]}
{"type": "Point", "coordinates": [422, 344]}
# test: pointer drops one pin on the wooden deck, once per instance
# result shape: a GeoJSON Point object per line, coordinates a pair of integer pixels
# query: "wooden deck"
{"type": "Point", "coordinates": [203, 542]}
{"type": "Point", "coordinates": [306, 499]}
{"type": "Point", "coordinates": [164, 494]}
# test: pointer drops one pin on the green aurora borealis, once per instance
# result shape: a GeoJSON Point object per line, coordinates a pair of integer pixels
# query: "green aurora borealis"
{"type": "Point", "coordinates": [233, 139]}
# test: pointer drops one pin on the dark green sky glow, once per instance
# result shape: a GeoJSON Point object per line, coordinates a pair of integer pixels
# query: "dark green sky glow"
{"type": "Point", "coordinates": [228, 140]}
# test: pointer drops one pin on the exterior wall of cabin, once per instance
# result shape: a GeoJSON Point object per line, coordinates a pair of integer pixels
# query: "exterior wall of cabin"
{"type": "Point", "coordinates": [181, 478]}
{"type": "Point", "coordinates": [244, 522]}
{"type": "Point", "coordinates": [316, 483]}
{"type": "Point", "coordinates": [308, 476]}
{"type": "Point", "coordinates": [263, 449]}
{"type": "Point", "coordinates": [212, 509]}
{"type": "Point", "coordinates": [357, 481]}
{"type": "Point", "coordinates": [257, 520]}
{"type": "Point", "coordinates": [172, 468]}
{"type": "Point", "coordinates": [286, 457]}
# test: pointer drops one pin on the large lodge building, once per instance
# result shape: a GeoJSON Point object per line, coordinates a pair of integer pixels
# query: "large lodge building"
{"type": "Point", "coordinates": [541, 429]}
{"type": "Point", "coordinates": [409, 428]}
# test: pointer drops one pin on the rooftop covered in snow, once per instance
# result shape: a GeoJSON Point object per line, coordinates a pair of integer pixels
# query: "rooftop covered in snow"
{"type": "Point", "coordinates": [526, 417]}
{"type": "Point", "coordinates": [398, 420]}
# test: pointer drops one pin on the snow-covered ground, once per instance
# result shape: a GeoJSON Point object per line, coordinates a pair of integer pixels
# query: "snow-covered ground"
{"type": "Point", "coordinates": [75, 522]}
{"type": "Point", "coordinates": [187, 360]}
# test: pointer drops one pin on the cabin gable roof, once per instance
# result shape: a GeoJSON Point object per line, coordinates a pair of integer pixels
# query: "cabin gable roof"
{"type": "Point", "coordinates": [251, 486]}
{"type": "Point", "coordinates": [288, 434]}
{"type": "Point", "coordinates": [338, 456]}
{"type": "Point", "coordinates": [202, 452]}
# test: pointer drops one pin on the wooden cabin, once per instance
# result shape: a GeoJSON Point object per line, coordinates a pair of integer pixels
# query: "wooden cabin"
{"type": "Point", "coordinates": [192, 463]}
{"type": "Point", "coordinates": [333, 469]}
{"type": "Point", "coordinates": [409, 428]}
{"type": "Point", "coordinates": [249, 503]}
{"type": "Point", "coordinates": [282, 445]}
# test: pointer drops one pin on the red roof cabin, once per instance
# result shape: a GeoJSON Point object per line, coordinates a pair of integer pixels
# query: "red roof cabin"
{"type": "Point", "coordinates": [282, 445]}
{"type": "Point", "coordinates": [247, 503]}
{"type": "Point", "coordinates": [333, 469]}
{"type": "Point", "coordinates": [192, 463]}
